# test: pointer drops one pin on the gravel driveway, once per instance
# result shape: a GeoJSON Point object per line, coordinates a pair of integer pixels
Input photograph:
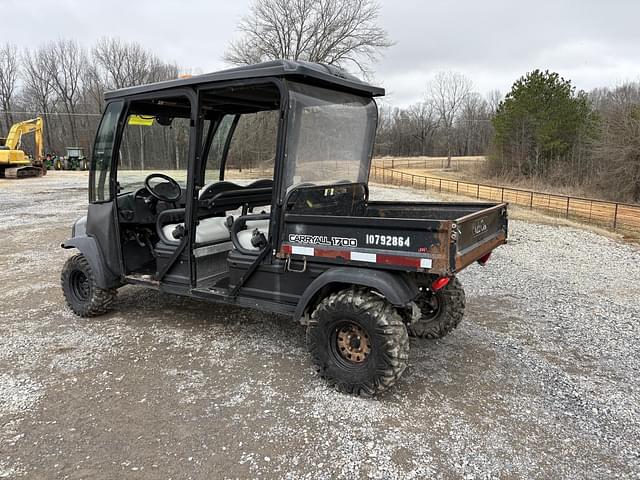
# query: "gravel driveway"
{"type": "Point", "coordinates": [541, 380]}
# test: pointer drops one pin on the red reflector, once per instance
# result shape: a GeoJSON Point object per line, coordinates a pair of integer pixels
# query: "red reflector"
{"type": "Point", "coordinates": [440, 283]}
{"type": "Point", "coordinates": [484, 259]}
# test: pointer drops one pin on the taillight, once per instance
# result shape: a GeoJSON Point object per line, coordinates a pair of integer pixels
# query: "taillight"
{"type": "Point", "coordinates": [484, 259]}
{"type": "Point", "coordinates": [440, 283]}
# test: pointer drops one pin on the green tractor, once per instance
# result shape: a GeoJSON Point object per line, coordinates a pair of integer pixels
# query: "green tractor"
{"type": "Point", "coordinates": [74, 160]}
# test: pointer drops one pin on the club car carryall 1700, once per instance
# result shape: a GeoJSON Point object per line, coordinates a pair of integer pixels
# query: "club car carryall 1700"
{"type": "Point", "coordinates": [250, 187]}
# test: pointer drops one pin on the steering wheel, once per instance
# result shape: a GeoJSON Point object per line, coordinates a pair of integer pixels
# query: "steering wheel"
{"type": "Point", "coordinates": [167, 191]}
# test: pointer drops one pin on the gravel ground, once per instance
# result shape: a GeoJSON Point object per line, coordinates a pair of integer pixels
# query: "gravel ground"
{"type": "Point", "coordinates": [539, 381]}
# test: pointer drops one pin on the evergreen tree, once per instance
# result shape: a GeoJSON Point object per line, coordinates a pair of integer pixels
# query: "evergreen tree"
{"type": "Point", "coordinates": [542, 126]}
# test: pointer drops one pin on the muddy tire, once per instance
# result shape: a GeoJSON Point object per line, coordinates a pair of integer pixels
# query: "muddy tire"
{"type": "Point", "coordinates": [81, 293]}
{"type": "Point", "coordinates": [442, 311]}
{"type": "Point", "coordinates": [358, 342]}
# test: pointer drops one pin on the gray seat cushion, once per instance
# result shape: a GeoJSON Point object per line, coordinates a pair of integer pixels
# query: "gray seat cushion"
{"type": "Point", "coordinates": [214, 229]}
{"type": "Point", "coordinates": [209, 230]}
{"type": "Point", "coordinates": [244, 236]}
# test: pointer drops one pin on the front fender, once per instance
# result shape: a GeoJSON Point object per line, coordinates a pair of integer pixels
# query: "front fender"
{"type": "Point", "coordinates": [395, 287]}
{"type": "Point", "coordinates": [91, 251]}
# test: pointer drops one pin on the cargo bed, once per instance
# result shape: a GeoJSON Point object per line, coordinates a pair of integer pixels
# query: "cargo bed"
{"type": "Point", "coordinates": [436, 237]}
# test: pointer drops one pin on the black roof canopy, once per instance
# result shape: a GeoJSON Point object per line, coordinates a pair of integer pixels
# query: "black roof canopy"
{"type": "Point", "coordinates": [314, 73]}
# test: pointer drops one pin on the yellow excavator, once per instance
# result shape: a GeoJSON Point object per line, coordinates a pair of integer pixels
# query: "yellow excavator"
{"type": "Point", "coordinates": [15, 163]}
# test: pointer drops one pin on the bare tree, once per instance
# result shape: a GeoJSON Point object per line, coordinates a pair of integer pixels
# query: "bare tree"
{"type": "Point", "coordinates": [65, 63]}
{"type": "Point", "coordinates": [9, 71]}
{"type": "Point", "coordinates": [448, 91]}
{"type": "Point", "coordinates": [123, 64]}
{"type": "Point", "coordinates": [334, 32]}
{"type": "Point", "coordinates": [38, 85]}
{"type": "Point", "coordinates": [493, 99]}
{"type": "Point", "coordinates": [618, 150]}
{"type": "Point", "coordinates": [423, 123]}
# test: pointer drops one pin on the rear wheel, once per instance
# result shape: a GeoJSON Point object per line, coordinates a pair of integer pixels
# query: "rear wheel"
{"type": "Point", "coordinates": [81, 293]}
{"type": "Point", "coordinates": [358, 342]}
{"type": "Point", "coordinates": [442, 311]}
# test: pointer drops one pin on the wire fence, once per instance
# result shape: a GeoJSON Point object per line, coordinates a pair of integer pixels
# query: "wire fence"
{"type": "Point", "coordinates": [425, 163]}
{"type": "Point", "coordinates": [622, 217]}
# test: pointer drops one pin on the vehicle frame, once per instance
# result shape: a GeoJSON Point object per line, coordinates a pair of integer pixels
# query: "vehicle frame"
{"type": "Point", "coordinates": [323, 240]}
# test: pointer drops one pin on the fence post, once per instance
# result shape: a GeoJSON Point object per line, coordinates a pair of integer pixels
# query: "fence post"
{"type": "Point", "coordinates": [413, 177]}
{"type": "Point", "coordinates": [441, 185]}
{"type": "Point", "coordinates": [615, 218]}
{"type": "Point", "coordinates": [568, 207]}
{"type": "Point", "coordinates": [478, 192]}
{"type": "Point", "coordinates": [531, 202]}
{"type": "Point", "coordinates": [502, 197]}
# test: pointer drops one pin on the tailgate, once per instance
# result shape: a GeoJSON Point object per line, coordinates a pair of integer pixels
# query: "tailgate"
{"type": "Point", "coordinates": [479, 233]}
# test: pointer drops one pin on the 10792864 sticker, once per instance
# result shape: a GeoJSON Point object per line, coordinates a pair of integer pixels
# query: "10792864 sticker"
{"type": "Point", "coordinates": [387, 240]}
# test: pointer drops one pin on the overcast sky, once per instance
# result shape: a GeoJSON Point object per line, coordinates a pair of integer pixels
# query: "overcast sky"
{"type": "Point", "coordinates": [493, 42]}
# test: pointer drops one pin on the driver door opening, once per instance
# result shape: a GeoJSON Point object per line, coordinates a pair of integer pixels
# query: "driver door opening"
{"type": "Point", "coordinates": [152, 172]}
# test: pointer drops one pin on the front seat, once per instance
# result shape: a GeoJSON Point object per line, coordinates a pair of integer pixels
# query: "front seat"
{"type": "Point", "coordinates": [209, 230]}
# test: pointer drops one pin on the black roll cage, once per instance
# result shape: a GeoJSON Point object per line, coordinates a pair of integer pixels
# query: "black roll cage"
{"type": "Point", "coordinates": [198, 152]}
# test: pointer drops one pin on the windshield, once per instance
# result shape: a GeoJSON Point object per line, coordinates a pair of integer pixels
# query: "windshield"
{"type": "Point", "coordinates": [149, 146]}
{"type": "Point", "coordinates": [329, 137]}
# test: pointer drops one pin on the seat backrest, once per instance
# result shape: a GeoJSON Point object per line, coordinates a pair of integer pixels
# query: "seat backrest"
{"type": "Point", "coordinates": [214, 189]}
{"type": "Point", "coordinates": [262, 183]}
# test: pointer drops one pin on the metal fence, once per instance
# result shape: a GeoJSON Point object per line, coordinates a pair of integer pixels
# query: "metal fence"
{"type": "Point", "coordinates": [473, 163]}
{"type": "Point", "coordinates": [617, 216]}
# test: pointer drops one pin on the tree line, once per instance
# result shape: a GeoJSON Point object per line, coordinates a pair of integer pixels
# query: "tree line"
{"type": "Point", "coordinates": [547, 130]}
{"type": "Point", "coordinates": [65, 82]}
{"type": "Point", "coordinates": [451, 120]}
{"type": "Point", "coordinates": [542, 129]}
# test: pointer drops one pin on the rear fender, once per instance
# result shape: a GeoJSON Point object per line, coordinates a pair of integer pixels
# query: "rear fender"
{"type": "Point", "coordinates": [91, 251]}
{"type": "Point", "coordinates": [397, 288]}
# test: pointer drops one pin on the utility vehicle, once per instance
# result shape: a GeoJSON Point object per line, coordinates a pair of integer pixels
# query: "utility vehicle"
{"type": "Point", "coordinates": [250, 187]}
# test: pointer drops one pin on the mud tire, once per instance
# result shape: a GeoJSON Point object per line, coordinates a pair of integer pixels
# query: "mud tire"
{"type": "Point", "coordinates": [81, 293]}
{"type": "Point", "coordinates": [451, 304]}
{"type": "Point", "coordinates": [386, 334]}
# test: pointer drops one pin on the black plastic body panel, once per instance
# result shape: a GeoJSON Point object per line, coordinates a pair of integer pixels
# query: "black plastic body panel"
{"type": "Point", "coordinates": [102, 226]}
{"type": "Point", "coordinates": [271, 281]}
{"type": "Point", "coordinates": [276, 283]}
{"type": "Point", "coordinates": [397, 288]}
{"type": "Point", "coordinates": [88, 246]}
{"type": "Point", "coordinates": [179, 273]}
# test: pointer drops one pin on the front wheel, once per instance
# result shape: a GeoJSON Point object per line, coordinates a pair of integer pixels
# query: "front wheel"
{"type": "Point", "coordinates": [81, 293]}
{"type": "Point", "coordinates": [442, 311]}
{"type": "Point", "coordinates": [358, 342]}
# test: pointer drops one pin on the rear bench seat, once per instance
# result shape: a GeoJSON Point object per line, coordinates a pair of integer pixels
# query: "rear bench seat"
{"type": "Point", "coordinates": [214, 230]}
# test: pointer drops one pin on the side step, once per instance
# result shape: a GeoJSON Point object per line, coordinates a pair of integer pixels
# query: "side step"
{"type": "Point", "coordinates": [139, 279]}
